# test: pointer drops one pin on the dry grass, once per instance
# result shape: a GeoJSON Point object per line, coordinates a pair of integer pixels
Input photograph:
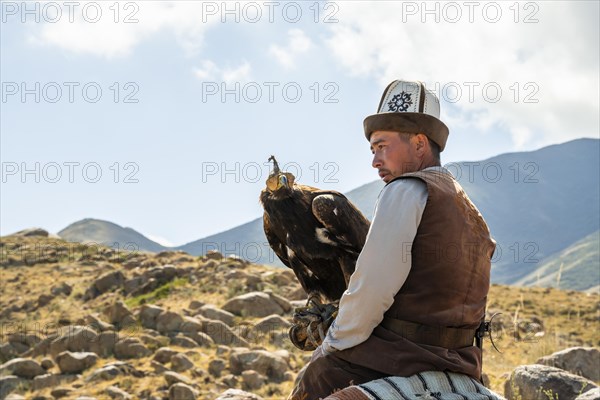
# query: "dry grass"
{"type": "Point", "coordinates": [566, 318]}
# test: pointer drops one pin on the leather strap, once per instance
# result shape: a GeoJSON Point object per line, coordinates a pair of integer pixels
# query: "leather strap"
{"type": "Point", "coordinates": [441, 336]}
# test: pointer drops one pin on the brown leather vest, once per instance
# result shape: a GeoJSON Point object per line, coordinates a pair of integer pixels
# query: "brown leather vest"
{"type": "Point", "coordinates": [451, 259]}
{"type": "Point", "coordinates": [447, 286]}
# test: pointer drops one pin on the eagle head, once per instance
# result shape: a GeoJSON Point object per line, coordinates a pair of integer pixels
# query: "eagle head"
{"type": "Point", "coordinates": [279, 182]}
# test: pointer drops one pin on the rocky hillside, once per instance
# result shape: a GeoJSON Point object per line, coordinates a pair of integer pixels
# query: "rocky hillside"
{"type": "Point", "coordinates": [83, 320]}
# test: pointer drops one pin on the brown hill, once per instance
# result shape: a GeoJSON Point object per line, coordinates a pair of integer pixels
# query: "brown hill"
{"type": "Point", "coordinates": [126, 307]}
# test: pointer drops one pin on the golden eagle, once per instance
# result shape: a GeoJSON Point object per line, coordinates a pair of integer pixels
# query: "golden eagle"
{"type": "Point", "coordinates": [317, 233]}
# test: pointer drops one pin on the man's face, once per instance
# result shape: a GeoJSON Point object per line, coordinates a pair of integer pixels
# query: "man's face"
{"type": "Point", "coordinates": [393, 155]}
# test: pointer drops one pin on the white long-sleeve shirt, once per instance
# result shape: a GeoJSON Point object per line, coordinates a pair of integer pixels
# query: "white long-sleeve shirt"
{"type": "Point", "coordinates": [382, 266]}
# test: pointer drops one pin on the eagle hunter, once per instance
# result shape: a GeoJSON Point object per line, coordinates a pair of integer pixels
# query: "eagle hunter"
{"type": "Point", "coordinates": [317, 233]}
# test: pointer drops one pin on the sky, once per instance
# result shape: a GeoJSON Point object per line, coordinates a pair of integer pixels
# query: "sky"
{"type": "Point", "coordinates": [161, 116]}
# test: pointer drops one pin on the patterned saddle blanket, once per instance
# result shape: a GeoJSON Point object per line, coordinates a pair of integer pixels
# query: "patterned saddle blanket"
{"type": "Point", "coordinates": [430, 385]}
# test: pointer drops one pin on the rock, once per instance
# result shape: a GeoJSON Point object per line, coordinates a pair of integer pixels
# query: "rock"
{"type": "Point", "coordinates": [119, 315]}
{"type": "Point", "coordinates": [195, 304]}
{"type": "Point", "coordinates": [252, 380]}
{"type": "Point", "coordinates": [593, 394]}
{"type": "Point", "coordinates": [73, 338]}
{"type": "Point", "coordinates": [201, 339]}
{"type": "Point", "coordinates": [213, 255]}
{"type": "Point", "coordinates": [253, 304]}
{"type": "Point", "coordinates": [168, 322]}
{"type": "Point", "coordinates": [32, 232]}
{"type": "Point", "coordinates": [148, 315]}
{"type": "Point", "coordinates": [272, 324]}
{"type": "Point", "coordinates": [229, 380]}
{"type": "Point", "coordinates": [158, 367]}
{"type": "Point", "coordinates": [94, 321]}
{"type": "Point", "coordinates": [236, 394]}
{"type": "Point", "coordinates": [221, 349]}
{"type": "Point", "coordinates": [73, 363]}
{"type": "Point", "coordinates": [8, 351]}
{"type": "Point", "coordinates": [9, 383]}
{"type": "Point", "coordinates": [103, 284]}
{"type": "Point", "coordinates": [164, 354]}
{"type": "Point", "coordinates": [173, 378]}
{"type": "Point", "coordinates": [105, 344]}
{"type": "Point", "coordinates": [49, 380]}
{"type": "Point", "coordinates": [110, 371]}
{"type": "Point", "coordinates": [216, 366]}
{"type": "Point", "coordinates": [44, 299]}
{"type": "Point", "coordinates": [47, 363]}
{"type": "Point", "coordinates": [61, 392]}
{"type": "Point", "coordinates": [538, 382]}
{"type": "Point", "coordinates": [131, 347]}
{"type": "Point", "coordinates": [583, 361]}
{"type": "Point", "coordinates": [220, 333]}
{"type": "Point", "coordinates": [116, 393]}
{"type": "Point", "coordinates": [63, 288]}
{"type": "Point", "coordinates": [261, 361]}
{"type": "Point", "coordinates": [281, 301]}
{"type": "Point", "coordinates": [183, 341]}
{"type": "Point", "coordinates": [180, 362]}
{"type": "Point", "coordinates": [14, 396]}
{"type": "Point", "coordinates": [211, 312]}
{"type": "Point", "coordinates": [297, 294]}
{"type": "Point", "coordinates": [22, 368]}
{"type": "Point", "coordinates": [181, 391]}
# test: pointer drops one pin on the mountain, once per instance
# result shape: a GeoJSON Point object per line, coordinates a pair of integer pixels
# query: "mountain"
{"type": "Point", "coordinates": [106, 233]}
{"type": "Point", "coordinates": [576, 267]}
{"type": "Point", "coordinates": [538, 204]}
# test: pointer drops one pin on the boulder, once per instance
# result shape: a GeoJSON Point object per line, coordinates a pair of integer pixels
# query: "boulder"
{"type": "Point", "coordinates": [252, 380]}
{"type": "Point", "coordinates": [169, 322]}
{"type": "Point", "coordinates": [112, 370]}
{"type": "Point", "coordinates": [211, 312]}
{"type": "Point", "coordinates": [271, 324]}
{"type": "Point", "coordinates": [180, 362]}
{"type": "Point", "coordinates": [181, 391]}
{"type": "Point", "coordinates": [173, 377]}
{"type": "Point", "coordinates": [593, 394]}
{"type": "Point", "coordinates": [261, 361]}
{"type": "Point", "coordinates": [94, 321]}
{"type": "Point", "coordinates": [216, 366]}
{"type": "Point", "coordinates": [60, 392]}
{"type": "Point", "coordinates": [236, 394]}
{"type": "Point", "coordinates": [49, 380]}
{"type": "Point", "coordinates": [583, 361]}
{"type": "Point", "coordinates": [73, 363]}
{"type": "Point", "coordinates": [9, 383]}
{"type": "Point", "coordinates": [73, 338]}
{"type": "Point", "coordinates": [63, 288]}
{"type": "Point", "coordinates": [104, 283]}
{"type": "Point", "coordinates": [164, 354]}
{"type": "Point", "coordinates": [148, 315]}
{"type": "Point", "coordinates": [220, 333]}
{"type": "Point", "coordinates": [131, 347]}
{"type": "Point", "coordinates": [116, 393]}
{"type": "Point", "coordinates": [183, 341]}
{"type": "Point", "coordinates": [253, 304]}
{"type": "Point", "coordinates": [119, 314]}
{"type": "Point", "coordinates": [540, 382]}
{"type": "Point", "coordinates": [22, 368]}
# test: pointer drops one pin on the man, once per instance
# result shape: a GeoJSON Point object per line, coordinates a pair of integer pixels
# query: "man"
{"type": "Point", "coordinates": [421, 281]}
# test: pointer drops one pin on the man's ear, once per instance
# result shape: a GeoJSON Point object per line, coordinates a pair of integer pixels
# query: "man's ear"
{"type": "Point", "coordinates": [421, 142]}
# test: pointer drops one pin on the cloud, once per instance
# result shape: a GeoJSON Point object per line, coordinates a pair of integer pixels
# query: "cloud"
{"type": "Point", "coordinates": [298, 44]}
{"type": "Point", "coordinates": [210, 71]}
{"type": "Point", "coordinates": [538, 80]}
{"type": "Point", "coordinates": [119, 27]}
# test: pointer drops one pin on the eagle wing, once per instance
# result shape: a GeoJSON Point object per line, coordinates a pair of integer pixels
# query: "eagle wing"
{"type": "Point", "coordinates": [276, 244]}
{"type": "Point", "coordinates": [344, 226]}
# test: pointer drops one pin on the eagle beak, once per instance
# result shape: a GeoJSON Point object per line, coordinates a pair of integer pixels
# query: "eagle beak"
{"type": "Point", "coordinates": [283, 181]}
